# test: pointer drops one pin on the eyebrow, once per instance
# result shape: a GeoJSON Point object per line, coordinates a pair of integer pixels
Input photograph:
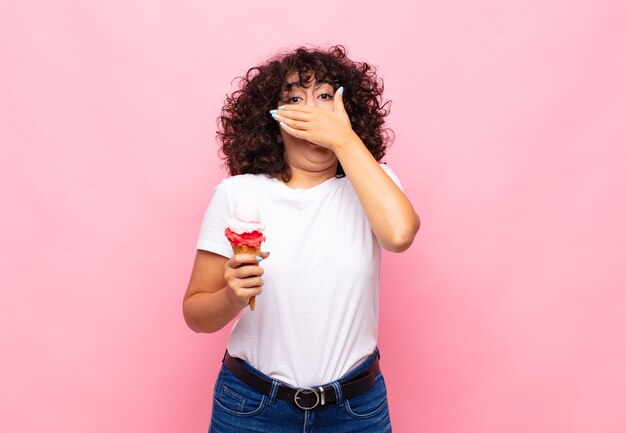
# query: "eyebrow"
{"type": "Point", "coordinates": [293, 84]}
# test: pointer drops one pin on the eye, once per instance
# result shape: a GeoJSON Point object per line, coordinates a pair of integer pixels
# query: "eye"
{"type": "Point", "coordinates": [326, 96]}
{"type": "Point", "coordinates": [293, 100]}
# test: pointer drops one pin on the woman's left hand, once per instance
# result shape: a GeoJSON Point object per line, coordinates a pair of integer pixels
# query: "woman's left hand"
{"type": "Point", "coordinates": [327, 128]}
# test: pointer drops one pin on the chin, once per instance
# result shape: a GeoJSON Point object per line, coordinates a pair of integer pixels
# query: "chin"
{"type": "Point", "coordinates": [311, 151]}
{"type": "Point", "coordinates": [321, 153]}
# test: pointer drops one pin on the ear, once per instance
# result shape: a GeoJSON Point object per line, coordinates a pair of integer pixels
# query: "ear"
{"type": "Point", "coordinates": [338, 99]}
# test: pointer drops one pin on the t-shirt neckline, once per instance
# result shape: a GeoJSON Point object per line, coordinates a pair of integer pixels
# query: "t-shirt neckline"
{"type": "Point", "coordinates": [299, 191]}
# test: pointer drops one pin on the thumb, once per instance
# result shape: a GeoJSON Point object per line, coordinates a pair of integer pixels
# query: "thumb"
{"type": "Point", "coordinates": [339, 100]}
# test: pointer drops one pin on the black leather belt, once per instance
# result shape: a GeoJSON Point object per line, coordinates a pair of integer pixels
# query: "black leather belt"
{"type": "Point", "coordinates": [305, 398]}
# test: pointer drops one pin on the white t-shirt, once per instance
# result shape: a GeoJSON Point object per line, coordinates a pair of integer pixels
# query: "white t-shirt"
{"type": "Point", "coordinates": [317, 317]}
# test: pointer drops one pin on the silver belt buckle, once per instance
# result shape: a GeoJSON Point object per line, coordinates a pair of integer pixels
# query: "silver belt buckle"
{"type": "Point", "coordinates": [306, 391]}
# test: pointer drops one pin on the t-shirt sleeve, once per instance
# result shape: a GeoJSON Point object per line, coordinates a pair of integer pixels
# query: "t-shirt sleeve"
{"type": "Point", "coordinates": [392, 175]}
{"type": "Point", "coordinates": [212, 237]}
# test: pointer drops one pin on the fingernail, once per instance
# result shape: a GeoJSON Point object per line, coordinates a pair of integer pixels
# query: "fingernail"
{"type": "Point", "coordinates": [273, 111]}
{"type": "Point", "coordinates": [340, 90]}
{"type": "Point", "coordinates": [282, 124]}
{"type": "Point", "coordinates": [282, 107]}
{"type": "Point", "coordinates": [275, 116]}
{"type": "Point", "coordinates": [258, 259]}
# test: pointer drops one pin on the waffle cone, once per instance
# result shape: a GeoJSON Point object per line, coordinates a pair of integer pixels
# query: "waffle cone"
{"type": "Point", "coordinates": [245, 249]}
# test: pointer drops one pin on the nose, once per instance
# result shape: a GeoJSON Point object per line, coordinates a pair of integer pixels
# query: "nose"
{"type": "Point", "coordinates": [310, 101]}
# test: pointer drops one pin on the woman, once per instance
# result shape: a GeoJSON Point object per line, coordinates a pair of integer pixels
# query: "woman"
{"type": "Point", "coordinates": [302, 139]}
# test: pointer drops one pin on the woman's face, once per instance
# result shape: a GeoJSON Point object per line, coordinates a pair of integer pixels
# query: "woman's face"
{"type": "Point", "coordinates": [299, 152]}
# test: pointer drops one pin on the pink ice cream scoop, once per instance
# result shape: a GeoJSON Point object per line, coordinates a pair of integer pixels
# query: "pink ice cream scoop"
{"type": "Point", "coordinates": [245, 228]}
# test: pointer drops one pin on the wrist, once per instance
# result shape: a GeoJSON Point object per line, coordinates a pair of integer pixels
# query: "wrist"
{"type": "Point", "coordinates": [349, 141]}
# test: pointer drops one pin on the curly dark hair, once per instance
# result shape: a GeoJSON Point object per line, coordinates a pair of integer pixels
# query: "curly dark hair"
{"type": "Point", "coordinates": [249, 135]}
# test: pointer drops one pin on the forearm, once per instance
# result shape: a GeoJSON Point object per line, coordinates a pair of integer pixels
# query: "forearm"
{"type": "Point", "coordinates": [209, 312]}
{"type": "Point", "coordinates": [388, 210]}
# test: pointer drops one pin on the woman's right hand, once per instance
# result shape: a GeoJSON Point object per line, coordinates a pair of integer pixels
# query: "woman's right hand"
{"type": "Point", "coordinates": [242, 274]}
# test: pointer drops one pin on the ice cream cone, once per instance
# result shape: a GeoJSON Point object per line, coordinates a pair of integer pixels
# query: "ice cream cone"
{"type": "Point", "coordinates": [245, 249]}
{"type": "Point", "coordinates": [244, 232]}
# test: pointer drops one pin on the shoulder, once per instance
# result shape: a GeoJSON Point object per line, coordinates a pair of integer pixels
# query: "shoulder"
{"type": "Point", "coordinates": [242, 181]}
{"type": "Point", "coordinates": [391, 174]}
{"type": "Point", "coordinates": [386, 167]}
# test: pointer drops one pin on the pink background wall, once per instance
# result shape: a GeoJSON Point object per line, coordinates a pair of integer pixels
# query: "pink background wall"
{"type": "Point", "coordinates": [507, 314]}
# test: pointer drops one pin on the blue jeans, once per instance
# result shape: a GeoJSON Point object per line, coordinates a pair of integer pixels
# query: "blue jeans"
{"type": "Point", "coordinates": [238, 407]}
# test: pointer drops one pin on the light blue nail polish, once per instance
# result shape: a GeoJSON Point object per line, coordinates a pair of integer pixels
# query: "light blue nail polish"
{"type": "Point", "coordinates": [282, 124]}
{"type": "Point", "coordinates": [258, 259]}
{"type": "Point", "coordinates": [282, 107]}
{"type": "Point", "coordinates": [275, 116]}
{"type": "Point", "coordinates": [273, 111]}
{"type": "Point", "coordinates": [340, 90]}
